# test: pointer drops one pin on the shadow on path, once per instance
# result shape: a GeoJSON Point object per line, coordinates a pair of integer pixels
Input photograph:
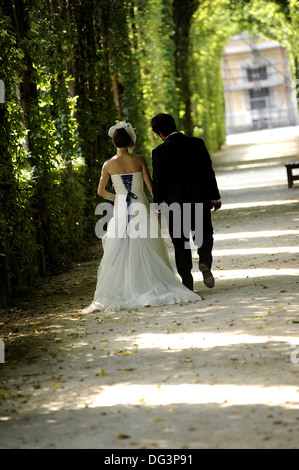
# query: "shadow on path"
{"type": "Point", "coordinates": [220, 373]}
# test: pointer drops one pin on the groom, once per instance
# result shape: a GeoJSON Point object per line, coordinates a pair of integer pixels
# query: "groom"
{"type": "Point", "coordinates": [183, 173]}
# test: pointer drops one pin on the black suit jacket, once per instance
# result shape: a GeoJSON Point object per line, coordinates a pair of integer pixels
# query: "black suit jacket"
{"type": "Point", "coordinates": [182, 171]}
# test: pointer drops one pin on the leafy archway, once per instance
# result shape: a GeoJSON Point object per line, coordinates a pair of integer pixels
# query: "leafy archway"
{"type": "Point", "coordinates": [70, 69]}
{"type": "Point", "coordinates": [213, 24]}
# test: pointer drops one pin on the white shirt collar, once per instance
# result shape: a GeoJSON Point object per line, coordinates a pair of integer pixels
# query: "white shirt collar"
{"type": "Point", "coordinates": [176, 132]}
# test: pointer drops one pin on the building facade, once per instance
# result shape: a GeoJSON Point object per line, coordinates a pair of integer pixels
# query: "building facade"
{"type": "Point", "coordinates": [258, 88]}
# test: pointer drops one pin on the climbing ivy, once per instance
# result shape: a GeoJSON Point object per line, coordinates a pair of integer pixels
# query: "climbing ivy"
{"type": "Point", "coordinates": [210, 31]}
{"type": "Point", "coordinates": [71, 68]}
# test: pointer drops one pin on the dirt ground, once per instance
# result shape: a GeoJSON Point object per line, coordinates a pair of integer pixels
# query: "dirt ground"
{"type": "Point", "coordinates": [222, 373]}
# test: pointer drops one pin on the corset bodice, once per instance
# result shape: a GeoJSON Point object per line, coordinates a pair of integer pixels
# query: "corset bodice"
{"type": "Point", "coordinates": [128, 183]}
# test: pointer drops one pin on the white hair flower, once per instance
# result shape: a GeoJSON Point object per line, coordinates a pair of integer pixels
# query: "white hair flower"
{"type": "Point", "coordinates": [125, 125]}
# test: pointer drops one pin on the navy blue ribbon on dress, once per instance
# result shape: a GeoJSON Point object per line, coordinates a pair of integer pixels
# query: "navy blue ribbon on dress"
{"type": "Point", "coordinates": [127, 180]}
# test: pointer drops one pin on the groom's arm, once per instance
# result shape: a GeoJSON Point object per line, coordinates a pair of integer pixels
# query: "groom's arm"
{"type": "Point", "coordinates": [157, 177]}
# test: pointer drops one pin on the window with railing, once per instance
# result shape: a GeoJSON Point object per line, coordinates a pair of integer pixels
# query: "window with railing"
{"type": "Point", "coordinates": [255, 74]}
{"type": "Point", "coordinates": [259, 98]}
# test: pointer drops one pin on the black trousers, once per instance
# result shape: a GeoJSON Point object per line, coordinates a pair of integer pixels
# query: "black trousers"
{"type": "Point", "coordinates": [183, 253]}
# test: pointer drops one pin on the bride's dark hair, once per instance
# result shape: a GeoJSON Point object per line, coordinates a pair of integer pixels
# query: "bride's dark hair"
{"type": "Point", "coordinates": [163, 123]}
{"type": "Point", "coordinates": [121, 138]}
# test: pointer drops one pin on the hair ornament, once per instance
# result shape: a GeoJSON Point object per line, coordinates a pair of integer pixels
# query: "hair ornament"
{"type": "Point", "coordinates": [125, 125]}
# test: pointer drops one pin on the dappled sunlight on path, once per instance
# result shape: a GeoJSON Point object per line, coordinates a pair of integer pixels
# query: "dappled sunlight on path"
{"type": "Point", "coordinates": [222, 372]}
{"type": "Point", "coordinates": [227, 395]}
{"type": "Point", "coordinates": [250, 273]}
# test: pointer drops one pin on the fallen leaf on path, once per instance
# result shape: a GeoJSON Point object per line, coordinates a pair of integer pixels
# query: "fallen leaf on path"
{"type": "Point", "coordinates": [36, 385]}
{"type": "Point", "coordinates": [6, 395]}
{"type": "Point", "coordinates": [125, 353]}
{"type": "Point", "coordinates": [123, 436]}
{"type": "Point", "coordinates": [187, 359]}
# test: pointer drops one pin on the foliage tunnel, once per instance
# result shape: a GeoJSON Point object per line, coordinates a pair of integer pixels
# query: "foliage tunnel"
{"type": "Point", "coordinates": [69, 69]}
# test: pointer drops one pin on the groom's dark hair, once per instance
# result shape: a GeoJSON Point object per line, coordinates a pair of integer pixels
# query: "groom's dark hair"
{"type": "Point", "coordinates": [163, 123]}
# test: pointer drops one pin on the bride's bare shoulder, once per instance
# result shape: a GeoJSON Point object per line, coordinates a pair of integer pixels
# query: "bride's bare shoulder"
{"type": "Point", "coordinates": [108, 164]}
{"type": "Point", "coordinates": [139, 158]}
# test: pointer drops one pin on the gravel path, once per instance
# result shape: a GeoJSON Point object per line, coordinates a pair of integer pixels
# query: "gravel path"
{"type": "Point", "coordinates": [221, 373]}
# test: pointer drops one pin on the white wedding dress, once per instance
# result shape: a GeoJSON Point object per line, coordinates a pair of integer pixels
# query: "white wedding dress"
{"type": "Point", "coordinates": [135, 270]}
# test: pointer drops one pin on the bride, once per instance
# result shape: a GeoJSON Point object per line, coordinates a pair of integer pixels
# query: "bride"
{"type": "Point", "coordinates": [135, 270]}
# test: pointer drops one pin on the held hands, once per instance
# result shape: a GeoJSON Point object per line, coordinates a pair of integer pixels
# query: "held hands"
{"type": "Point", "coordinates": [159, 215]}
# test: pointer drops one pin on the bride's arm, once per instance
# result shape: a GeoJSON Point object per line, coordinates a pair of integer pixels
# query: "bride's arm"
{"type": "Point", "coordinates": [103, 183]}
{"type": "Point", "coordinates": [146, 175]}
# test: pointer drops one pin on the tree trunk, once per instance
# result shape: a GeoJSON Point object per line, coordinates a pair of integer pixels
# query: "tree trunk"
{"type": "Point", "coordinates": [6, 190]}
{"type": "Point", "coordinates": [29, 102]}
{"type": "Point", "coordinates": [182, 15]}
